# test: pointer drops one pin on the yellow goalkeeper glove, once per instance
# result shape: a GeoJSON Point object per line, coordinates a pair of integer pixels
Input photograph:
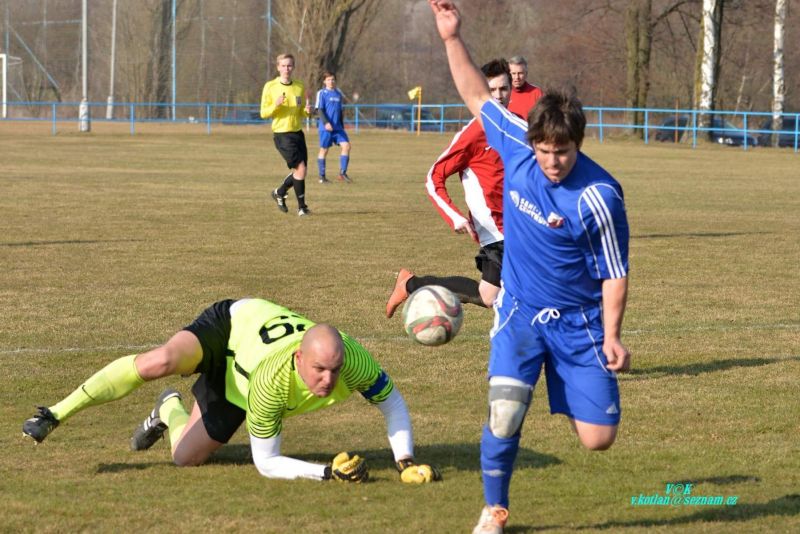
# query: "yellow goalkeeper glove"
{"type": "Point", "coordinates": [346, 468]}
{"type": "Point", "coordinates": [411, 473]}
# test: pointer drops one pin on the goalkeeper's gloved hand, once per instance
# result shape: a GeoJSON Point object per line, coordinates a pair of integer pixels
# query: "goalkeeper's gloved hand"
{"type": "Point", "coordinates": [346, 468]}
{"type": "Point", "coordinates": [411, 473]}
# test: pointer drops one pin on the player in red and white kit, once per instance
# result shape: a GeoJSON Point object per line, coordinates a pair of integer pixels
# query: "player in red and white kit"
{"type": "Point", "coordinates": [524, 95]}
{"type": "Point", "coordinates": [481, 171]}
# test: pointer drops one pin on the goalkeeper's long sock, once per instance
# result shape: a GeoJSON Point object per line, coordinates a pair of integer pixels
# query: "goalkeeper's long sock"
{"type": "Point", "coordinates": [321, 166]}
{"type": "Point", "coordinates": [300, 191]}
{"type": "Point", "coordinates": [286, 185]}
{"type": "Point", "coordinates": [344, 161]}
{"type": "Point", "coordinates": [112, 382]}
{"type": "Point", "coordinates": [497, 464]}
{"type": "Point", "coordinates": [174, 414]}
{"type": "Point", "coordinates": [464, 288]}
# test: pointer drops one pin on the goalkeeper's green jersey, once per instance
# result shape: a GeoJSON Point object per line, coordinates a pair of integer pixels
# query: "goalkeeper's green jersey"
{"type": "Point", "coordinates": [261, 377]}
{"type": "Point", "coordinates": [288, 117]}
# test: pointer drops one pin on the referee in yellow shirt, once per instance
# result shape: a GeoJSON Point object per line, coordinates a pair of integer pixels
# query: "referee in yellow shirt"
{"type": "Point", "coordinates": [282, 100]}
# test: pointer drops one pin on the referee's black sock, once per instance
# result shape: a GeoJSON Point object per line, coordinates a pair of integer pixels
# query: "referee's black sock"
{"type": "Point", "coordinates": [466, 289]}
{"type": "Point", "coordinates": [286, 185]}
{"type": "Point", "coordinates": [300, 191]}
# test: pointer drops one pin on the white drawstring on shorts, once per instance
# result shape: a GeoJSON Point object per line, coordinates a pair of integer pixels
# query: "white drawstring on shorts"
{"type": "Point", "coordinates": [545, 315]}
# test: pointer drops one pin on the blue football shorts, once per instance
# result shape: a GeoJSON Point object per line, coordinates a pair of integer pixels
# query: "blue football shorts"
{"type": "Point", "coordinates": [326, 138]}
{"type": "Point", "coordinates": [568, 343]}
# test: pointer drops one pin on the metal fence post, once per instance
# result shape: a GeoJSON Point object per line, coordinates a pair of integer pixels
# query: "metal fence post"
{"type": "Point", "coordinates": [600, 123]}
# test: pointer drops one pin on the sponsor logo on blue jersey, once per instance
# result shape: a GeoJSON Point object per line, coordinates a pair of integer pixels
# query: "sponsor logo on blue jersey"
{"type": "Point", "coordinates": [527, 207]}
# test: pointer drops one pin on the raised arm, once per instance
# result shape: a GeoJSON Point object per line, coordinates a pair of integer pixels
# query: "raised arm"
{"type": "Point", "coordinates": [468, 78]}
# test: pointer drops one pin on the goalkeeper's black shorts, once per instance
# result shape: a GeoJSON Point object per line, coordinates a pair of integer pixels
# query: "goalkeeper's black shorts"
{"type": "Point", "coordinates": [213, 328]}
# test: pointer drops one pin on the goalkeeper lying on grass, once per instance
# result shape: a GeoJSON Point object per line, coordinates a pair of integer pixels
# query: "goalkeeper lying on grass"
{"type": "Point", "coordinates": [258, 362]}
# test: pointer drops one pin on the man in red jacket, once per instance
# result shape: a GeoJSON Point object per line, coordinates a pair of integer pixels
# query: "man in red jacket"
{"type": "Point", "coordinates": [523, 94]}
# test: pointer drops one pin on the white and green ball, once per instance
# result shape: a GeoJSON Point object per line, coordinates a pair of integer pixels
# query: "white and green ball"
{"type": "Point", "coordinates": [432, 315]}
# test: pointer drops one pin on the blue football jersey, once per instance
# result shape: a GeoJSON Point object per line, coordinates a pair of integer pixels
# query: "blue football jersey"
{"type": "Point", "coordinates": [561, 240]}
{"type": "Point", "coordinates": [330, 102]}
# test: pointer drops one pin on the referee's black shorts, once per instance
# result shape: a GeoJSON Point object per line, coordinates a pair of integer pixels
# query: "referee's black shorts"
{"type": "Point", "coordinates": [292, 146]}
{"type": "Point", "coordinates": [213, 329]}
{"type": "Point", "coordinates": [489, 262]}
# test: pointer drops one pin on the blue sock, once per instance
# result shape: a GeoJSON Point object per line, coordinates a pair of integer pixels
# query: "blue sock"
{"type": "Point", "coordinates": [343, 162]}
{"type": "Point", "coordinates": [321, 165]}
{"type": "Point", "coordinates": [497, 464]}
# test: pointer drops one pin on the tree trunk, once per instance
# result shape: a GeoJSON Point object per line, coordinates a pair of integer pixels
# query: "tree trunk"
{"type": "Point", "coordinates": [331, 30]}
{"type": "Point", "coordinates": [632, 58]}
{"type": "Point", "coordinates": [778, 83]}
{"type": "Point", "coordinates": [712, 12]}
{"type": "Point", "coordinates": [158, 76]}
{"type": "Point", "coordinates": [645, 44]}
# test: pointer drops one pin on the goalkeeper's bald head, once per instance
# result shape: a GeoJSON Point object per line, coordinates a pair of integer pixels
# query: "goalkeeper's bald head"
{"type": "Point", "coordinates": [320, 358]}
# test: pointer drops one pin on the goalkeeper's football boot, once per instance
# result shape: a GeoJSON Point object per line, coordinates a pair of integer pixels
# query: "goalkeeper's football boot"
{"type": "Point", "coordinates": [280, 201]}
{"type": "Point", "coordinates": [40, 425]}
{"type": "Point", "coordinates": [302, 212]}
{"type": "Point", "coordinates": [152, 428]}
{"type": "Point", "coordinates": [492, 520]}
{"type": "Point", "coordinates": [324, 180]}
{"type": "Point", "coordinates": [344, 178]}
{"type": "Point", "coordinates": [399, 293]}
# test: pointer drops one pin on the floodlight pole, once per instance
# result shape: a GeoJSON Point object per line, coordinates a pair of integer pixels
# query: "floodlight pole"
{"type": "Point", "coordinates": [84, 116]}
{"type": "Point", "coordinates": [4, 60]}
{"type": "Point", "coordinates": [6, 37]}
{"type": "Point", "coordinates": [269, 32]}
{"type": "Point", "coordinates": [174, 31]}
{"type": "Point", "coordinates": [110, 106]}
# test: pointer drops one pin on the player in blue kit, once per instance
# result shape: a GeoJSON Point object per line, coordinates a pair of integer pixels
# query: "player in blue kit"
{"type": "Point", "coordinates": [564, 274]}
{"type": "Point", "coordinates": [331, 127]}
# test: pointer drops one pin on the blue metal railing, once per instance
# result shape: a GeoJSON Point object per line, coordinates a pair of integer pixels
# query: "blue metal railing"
{"type": "Point", "coordinates": [736, 128]}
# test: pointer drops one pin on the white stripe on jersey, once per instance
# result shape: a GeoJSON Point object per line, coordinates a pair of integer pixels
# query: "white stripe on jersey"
{"type": "Point", "coordinates": [454, 216]}
{"type": "Point", "coordinates": [316, 104]}
{"type": "Point", "coordinates": [514, 119]}
{"type": "Point", "coordinates": [611, 254]}
{"type": "Point", "coordinates": [481, 214]}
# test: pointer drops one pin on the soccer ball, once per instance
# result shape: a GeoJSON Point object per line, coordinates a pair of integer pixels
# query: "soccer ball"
{"type": "Point", "coordinates": [432, 315]}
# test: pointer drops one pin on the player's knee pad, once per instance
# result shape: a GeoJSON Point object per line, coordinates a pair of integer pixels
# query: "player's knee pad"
{"type": "Point", "coordinates": [509, 399]}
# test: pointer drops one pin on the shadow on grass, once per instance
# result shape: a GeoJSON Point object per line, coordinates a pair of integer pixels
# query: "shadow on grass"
{"type": "Point", "coordinates": [461, 456]}
{"type": "Point", "coordinates": [694, 369]}
{"type": "Point", "coordinates": [120, 467]}
{"type": "Point", "coordinates": [67, 242]}
{"type": "Point", "coordinates": [788, 505]}
{"type": "Point", "coordinates": [697, 234]}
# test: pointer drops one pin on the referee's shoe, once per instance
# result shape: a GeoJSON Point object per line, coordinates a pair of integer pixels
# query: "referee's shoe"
{"type": "Point", "coordinates": [280, 201]}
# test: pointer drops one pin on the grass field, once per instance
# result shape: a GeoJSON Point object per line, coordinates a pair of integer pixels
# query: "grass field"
{"type": "Point", "coordinates": [109, 243]}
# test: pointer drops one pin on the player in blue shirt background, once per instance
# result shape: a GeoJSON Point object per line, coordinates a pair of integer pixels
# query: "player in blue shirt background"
{"type": "Point", "coordinates": [331, 127]}
{"type": "Point", "coordinates": [564, 274]}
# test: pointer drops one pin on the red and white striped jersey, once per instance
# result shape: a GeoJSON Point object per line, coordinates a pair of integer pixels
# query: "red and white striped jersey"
{"type": "Point", "coordinates": [481, 171]}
